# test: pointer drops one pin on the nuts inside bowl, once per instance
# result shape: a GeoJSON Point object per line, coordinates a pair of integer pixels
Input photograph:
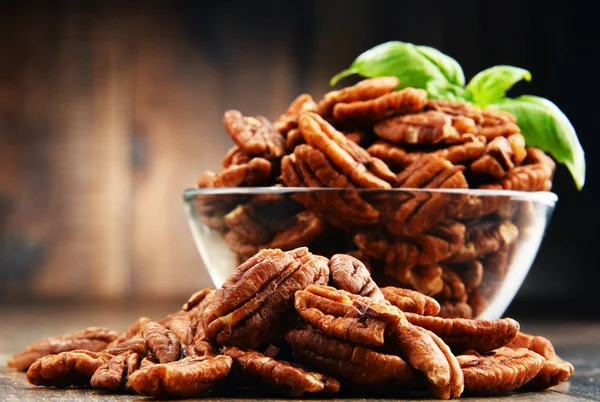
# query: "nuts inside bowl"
{"type": "Point", "coordinates": [421, 191]}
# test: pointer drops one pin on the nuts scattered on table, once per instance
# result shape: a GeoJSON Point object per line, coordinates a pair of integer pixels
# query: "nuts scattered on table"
{"type": "Point", "coordinates": [279, 325]}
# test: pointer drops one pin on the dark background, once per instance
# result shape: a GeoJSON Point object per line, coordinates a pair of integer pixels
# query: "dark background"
{"type": "Point", "coordinates": [108, 110]}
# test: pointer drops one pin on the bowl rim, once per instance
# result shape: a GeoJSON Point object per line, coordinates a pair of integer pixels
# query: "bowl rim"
{"type": "Point", "coordinates": [545, 197]}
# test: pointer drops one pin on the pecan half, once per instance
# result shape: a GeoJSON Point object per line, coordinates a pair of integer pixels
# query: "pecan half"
{"type": "Point", "coordinates": [426, 353]}
{"type": "Point", "coordinates": [408, 100]}
{"type": "Point", "coordinates": [235, 156]}
{"type": "Point", "coordinates": [463, 334]}
{"type": "Point", "coordinates": [456, 108]}
{"type": "Point", "coordinates": [538, 344]}
{"type": "Point", "coordinates": [483, 238]}
{"type": "Point", "coordinates": [470, 273]}
{"type": "Point", "coordinates": [351, 275]}
{"type": "Point", "coordinates": [397, 158]}
{"type": "Point", "coordinates": [346, 156]}
{"type": "Point", "coordinates": [185, 378]}
{"type": "Point", "coordinates": [196, 342]}
{"type": "Point", "coordinates": [197, 298]}
{"type": "Point", "coordinates": [289, 120]}
{"type": "Point", "coordinates": [256, 172]}
{"type": "Point", "coordinates": [410, 301]}
{"type": "Point", "coordinates": [300, 230]}
{"type": "Point", "coordinates": [253, 306]}
{"type": "Point", "coordinates": [499, 371]}
{"type": "Point", "coordinates": [370, 88]}
{"type": "Point", "coordinates": [93, 339]}
{"type": "Point", "coordinates": [293, 138]}
{"type": "Point", "coordinates": [178, 323]}
{"type": "Point", "coordinates": [552, 373]}
{"type": "Point", "coordinates": [554, 370]}
{"type": "Point", "coordinates": [113, 374]}
{"type": "Point", "coordinates": [415, 212]}
{"type": "Point", "coordinates": [454, 288]}
{"type": "Point", "coordinates": [345, 316]}
{"type": "Point", "coordinates": [495, 123]}
{"type": "Point", "coordinates": [422, 128]}
{"type": "Point", "coordinates": [254, 135]}
{"type": "Point", "coordinates": [74, 367]}
{"type": "Point", "coordinates": [345, 209]}
{"type": "Point", "coordinates": [163, 344]}
{"type": "Point", "coordinates": [501, 156]}
{"type": "Point", "coordinates": [401, 254]}
{"type": "Point", "coordinates": [279, 375]}
{"type": "Point", "coordinates": [133, 332]}
{"type": "Point", "coordinates": [347, 361]}
{"type": "Point", "coordinates": [534, 175]}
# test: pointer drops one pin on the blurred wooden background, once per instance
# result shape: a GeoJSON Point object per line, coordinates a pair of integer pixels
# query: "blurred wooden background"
{"type": "Point", "coordinates": [108, 110]}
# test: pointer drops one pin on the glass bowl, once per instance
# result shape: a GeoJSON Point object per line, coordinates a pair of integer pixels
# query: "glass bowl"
{"type": "Point", "coordinates": [469, 249]}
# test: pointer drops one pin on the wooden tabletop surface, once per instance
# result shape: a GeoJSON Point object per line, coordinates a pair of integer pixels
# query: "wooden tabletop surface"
{"type": "Point", "coordinates": [577, 342]}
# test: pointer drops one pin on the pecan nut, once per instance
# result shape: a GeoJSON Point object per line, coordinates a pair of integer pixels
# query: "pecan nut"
{"type": "Point", "coordinates": [93, 339]}
{"type": "Point", "coordinates": [279, 375]}
{"type": "Point", "coordinates": [552, 373]}
{"type": "Point", "coordinates": [351, 275]}
{"type": "Point", "coordinates": [483, 238]}
{"type": "Point", "coordinates": [346, 156]}
{"type": "Point", "coordinates": [534, 175]}
{"type": "Point", "coordinates": [300, 230]}
{"type": "Point", "coordinates": [467, 149]}
{"type": "Point", "coordinates": [538, 344]}
{"type": "Point", "coordinates": [501, 156]}
{"type": "Point", "coordinates": [254, 135]}
{"type": "Point", "coordinates": [495, 123]}
{"type": "Point", "coordinates": [347, 361]}
{"type": "Point", "coordinates": [344, 209]}
{"type": "Point", "coordinates": [499, 371]}
{"type": "Point", "coordinates": [114, 373]}
{"type": "Point", "coordinates": [74, 367]}
{"type": "Point", "coordinates": [253, 306]}
{"type": "Point", "coordinates": [196, 342]}
{"type": "Point", "coordinates": [346, 316]}
{"type": "Point", "coordinates": [289, 120]}
{"type": "Point", "coordinates": [185, 378]}
{"type": "Point", "coordinates": [437, 244]}
{"type": "Point", "coordinates": [554, 370]}
{"type": "Point", "coordinates": [235, 156]}
{"type": "Point", "coordinates": [162, 343]}
{"type": "Point", "coordinates": [418, 211]}
{"type": "Point", "coordinates": [428, 354]}
{"type": "Point", "coordinates": [408, 100]}
{"type": "Point", "coordinates": [410, 301]}
{"type": "Point", "coordinates": [456, 108]}
{"type": "Point", "coordinates": [423, 128]}
{"type": "Point", "coordinates": [370, 88]}
{"type": "Point", "coordinates": [464, 334]}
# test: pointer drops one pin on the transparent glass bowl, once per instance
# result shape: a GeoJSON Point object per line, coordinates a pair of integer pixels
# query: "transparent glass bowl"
{"type": "Point", "coordinates": [470, 249]}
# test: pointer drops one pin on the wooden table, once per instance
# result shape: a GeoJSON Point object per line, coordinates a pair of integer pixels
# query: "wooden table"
{"type": "Point", "coordinates": [577, 342]}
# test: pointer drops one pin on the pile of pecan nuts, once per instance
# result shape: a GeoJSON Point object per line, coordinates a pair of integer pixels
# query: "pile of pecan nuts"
{"type": "Point", "coordinates": [365, 140]}
{"type": "Point", "coordinates": [295, 323]}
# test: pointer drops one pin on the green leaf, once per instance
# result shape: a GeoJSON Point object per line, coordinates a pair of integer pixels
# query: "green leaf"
{"type": "Point", "coordinates": [447, 65]}
{"type": "Point", "coordinates": [491, 84]}
{"type": "Point", "coordinates": [545, 126]}
{"type": "Point", "coordinates": [414, 66]}
{"type": "Point", "coordinates": [445, 91]}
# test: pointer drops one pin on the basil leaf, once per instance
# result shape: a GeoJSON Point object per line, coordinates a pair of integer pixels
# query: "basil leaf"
{"type": "Point", "coordinates": [399, 59]}
{"type": "Point", "coordinates": [492, 83]}
{"type": "Point", "coordinates": [445, 91]}
{"type": "Point", "coordinates": [545, 126]}
{"type": "Point", "coordinates": [447, 65]}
